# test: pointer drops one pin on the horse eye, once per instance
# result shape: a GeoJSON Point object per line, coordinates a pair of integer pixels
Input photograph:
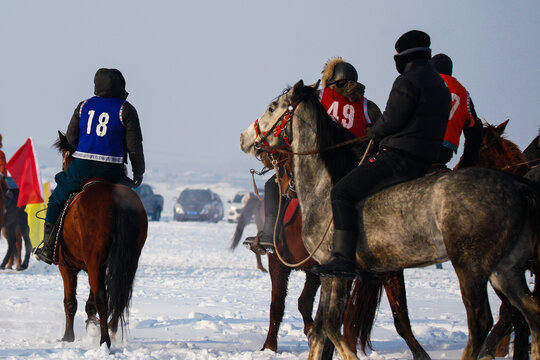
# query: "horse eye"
{"type": "Point", "coordinates": [272, 107]}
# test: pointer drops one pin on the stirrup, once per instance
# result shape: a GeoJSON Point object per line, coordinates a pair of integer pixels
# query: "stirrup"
{"type": "Point", "coordinates": [40, 255]}
{"type": "Point", "coordinates": [252, 243]}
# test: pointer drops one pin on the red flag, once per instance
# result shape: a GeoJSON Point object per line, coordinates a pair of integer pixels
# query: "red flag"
{"type": "Point", "coordinates": [23, 167]}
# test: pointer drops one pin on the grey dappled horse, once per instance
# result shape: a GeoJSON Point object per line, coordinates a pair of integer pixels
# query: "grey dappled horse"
{"type": "Point", "coordinates": [412, 224]}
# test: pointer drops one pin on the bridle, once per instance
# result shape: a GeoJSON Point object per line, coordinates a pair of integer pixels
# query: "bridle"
{"type": "Point", "coordinates": [279, 128]}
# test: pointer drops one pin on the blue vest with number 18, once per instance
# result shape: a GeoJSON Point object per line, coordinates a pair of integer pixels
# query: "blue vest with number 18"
{"type": "Point", "coordinates": [101, 130]}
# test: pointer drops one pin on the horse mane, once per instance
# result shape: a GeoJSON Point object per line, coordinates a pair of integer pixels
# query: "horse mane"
{"type": "Point", "coordinates": [62, 143]}
{"type": "Point", "coordinates": [504, 148]}
{"type": "Point", "coordinates": [338, 161]}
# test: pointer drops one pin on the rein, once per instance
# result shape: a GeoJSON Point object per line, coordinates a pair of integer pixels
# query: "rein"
{"type": "Point", "coordinates": [263, 145]}
{"type": "Point", "coordinates": [325, 231]}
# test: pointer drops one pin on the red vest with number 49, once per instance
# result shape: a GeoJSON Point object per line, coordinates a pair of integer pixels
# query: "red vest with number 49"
{"type": "Point", "coordinates": [353, 116]}
{"type": "Point", "coordinates": [459, 113]}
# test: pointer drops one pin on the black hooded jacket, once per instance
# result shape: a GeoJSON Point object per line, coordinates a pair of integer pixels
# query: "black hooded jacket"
{"type": "Point", "coordinates": [110, 83]}
{"type": "Point", "coordinates": [416, 113]}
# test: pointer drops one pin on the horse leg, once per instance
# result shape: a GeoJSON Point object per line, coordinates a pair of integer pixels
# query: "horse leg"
{"type": "Point", "coordinates": [394, 285]}
{"type": "Point", "coordinates": [9, 234]}
{"type": "Point", "coordinates": [279, 275]}
{"type": "Point", "coordinates": [27, 247]}
{"type": "Point", "coordinates": [91, 311]}
{"type": "Point", "coordinates": [521, 335]}
{"type": "Point", "coordinates": [306, 300]}
{"type": "Point", "coordinates": [334, 295]}
{"type": "Point", "coordinates": [496, 344]}
{"type": "Point", "coordinates": [18, 247]}
{"type": "Point", "coordinates": [96, 278]}
{"type": "Point", "coordinates": [479, 320]}
{"type": "Point", "coordinates": [70, 300]}
{"type": "Point", "coordinates": [512, 284]}
{"type": "Point", "coordinates": [260, 266]}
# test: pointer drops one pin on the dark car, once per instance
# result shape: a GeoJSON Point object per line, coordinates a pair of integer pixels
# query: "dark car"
{"type": "Point", "coordinates": [153, 203]}
{"type": "Point", "coordinates": [198, 204]}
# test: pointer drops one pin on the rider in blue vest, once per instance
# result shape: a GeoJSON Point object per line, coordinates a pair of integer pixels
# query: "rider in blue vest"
{"type": "Point", "coordinates": [104, 130]}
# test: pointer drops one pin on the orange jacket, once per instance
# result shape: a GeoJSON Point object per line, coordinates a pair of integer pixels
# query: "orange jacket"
{"type": "Point", "coordinates": [460, 114]}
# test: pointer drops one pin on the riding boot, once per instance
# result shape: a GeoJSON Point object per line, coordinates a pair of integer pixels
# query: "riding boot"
{"type": "Point", "coordinates": [342, 260]}
{"type": "Point", "coordinates": [265, 237]}
{"type": "Point", "coordinates": [46, 252]}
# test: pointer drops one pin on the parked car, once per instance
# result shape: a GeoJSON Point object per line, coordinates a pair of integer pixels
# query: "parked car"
{"type": "Point", "coordinates": [198, 204]}
{"type": "Point", "coordinates": [153, 203]}
{"type": "Point", "coordinates": [236, 207]}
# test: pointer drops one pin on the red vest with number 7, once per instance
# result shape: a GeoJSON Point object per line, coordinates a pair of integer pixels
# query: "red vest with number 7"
{"type": "Point", "coordinates": [459, 113]}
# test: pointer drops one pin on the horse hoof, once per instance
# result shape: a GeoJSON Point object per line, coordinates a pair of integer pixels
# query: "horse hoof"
{"type": "Point", "coordinates": [92, 328]}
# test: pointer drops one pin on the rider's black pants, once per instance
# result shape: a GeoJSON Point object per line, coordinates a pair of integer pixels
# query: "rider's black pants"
{"type": "Point", "coordinates": [271, 198]}
{"type": "Point", "coordinates": [387, 167]}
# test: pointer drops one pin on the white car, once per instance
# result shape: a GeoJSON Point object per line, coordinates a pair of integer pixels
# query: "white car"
{"type": "Point", "coordinates": [236, 206]}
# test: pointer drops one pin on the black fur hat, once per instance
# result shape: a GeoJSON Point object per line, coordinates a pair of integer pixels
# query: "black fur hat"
{"type": "Point", "coordinates": [414, 40]}
{"type": "Point", "coordinates": [410, 46]}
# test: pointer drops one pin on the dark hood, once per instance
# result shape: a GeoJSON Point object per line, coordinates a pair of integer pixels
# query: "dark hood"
{"type": "Point", "coordinates": [110, 83]}
{"type": "Point", "coordinates": [442, 63]}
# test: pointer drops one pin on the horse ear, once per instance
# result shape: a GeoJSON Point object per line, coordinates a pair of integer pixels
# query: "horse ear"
{"type": "Point", "coordinates": [316, 85]}
{"type": "Point", "coordinates": [501, 127]}
{"type": "Point", "coordinates": [298, 85]}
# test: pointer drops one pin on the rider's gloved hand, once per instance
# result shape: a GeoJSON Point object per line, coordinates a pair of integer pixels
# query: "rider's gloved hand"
{"type": "Point", "coordinates": [137, 179]}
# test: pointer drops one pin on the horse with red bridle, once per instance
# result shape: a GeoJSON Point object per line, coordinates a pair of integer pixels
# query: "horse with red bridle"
{"type": "Point", "coordinates": [103, 232]}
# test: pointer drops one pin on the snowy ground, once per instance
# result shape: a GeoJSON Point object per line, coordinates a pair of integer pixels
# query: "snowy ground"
{"type": "Point", "coordinates": [194, 299]}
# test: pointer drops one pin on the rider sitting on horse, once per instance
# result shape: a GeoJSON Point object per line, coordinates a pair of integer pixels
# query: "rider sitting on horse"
{"type": "Point", "coordinates": [410, 134]}
{"type": "Point", "coordinates": [463, 118]}
{"type": "Point", "coordinates": [103, 130]}
{"type": "Point", "coordinates": [343, 97]}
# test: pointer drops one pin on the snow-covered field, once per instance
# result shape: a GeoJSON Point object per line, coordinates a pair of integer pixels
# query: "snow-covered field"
{"type": "Point", "coordinates": [195, 299]}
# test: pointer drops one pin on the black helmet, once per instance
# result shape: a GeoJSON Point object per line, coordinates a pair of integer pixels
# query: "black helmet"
{"type": "Point", "coordinates": [442, 63]}
{"type": "Point", "coordinates": [343, 71]}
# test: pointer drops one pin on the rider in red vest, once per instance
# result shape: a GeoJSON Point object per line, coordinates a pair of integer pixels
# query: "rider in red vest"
{"type": "Point", "coordinates": [343, 97]}
{"type": "Point", "coordinates": [409, 133]}
{"type": "Point", "coordinates": [463, 118]}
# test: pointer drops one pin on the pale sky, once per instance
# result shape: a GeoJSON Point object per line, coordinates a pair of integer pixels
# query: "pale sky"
{"type": "Point", "coordinates": [199, 72]}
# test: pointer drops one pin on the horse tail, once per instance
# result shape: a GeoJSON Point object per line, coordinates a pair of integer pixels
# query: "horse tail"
{"type": "Point", "coordinates": [122, 261]}
{"type": "Point", "coordinates": [360, 313]}
{"type": "Point", "coordinates": [244, 219]}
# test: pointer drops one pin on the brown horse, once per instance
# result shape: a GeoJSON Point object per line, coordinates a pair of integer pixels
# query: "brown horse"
{"type": "Point", "coordinates": [103, 233]}
{"type": "Point", "coordinates": [15, 229]}
{"type": "Point", "coordinates": [253, 208]}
